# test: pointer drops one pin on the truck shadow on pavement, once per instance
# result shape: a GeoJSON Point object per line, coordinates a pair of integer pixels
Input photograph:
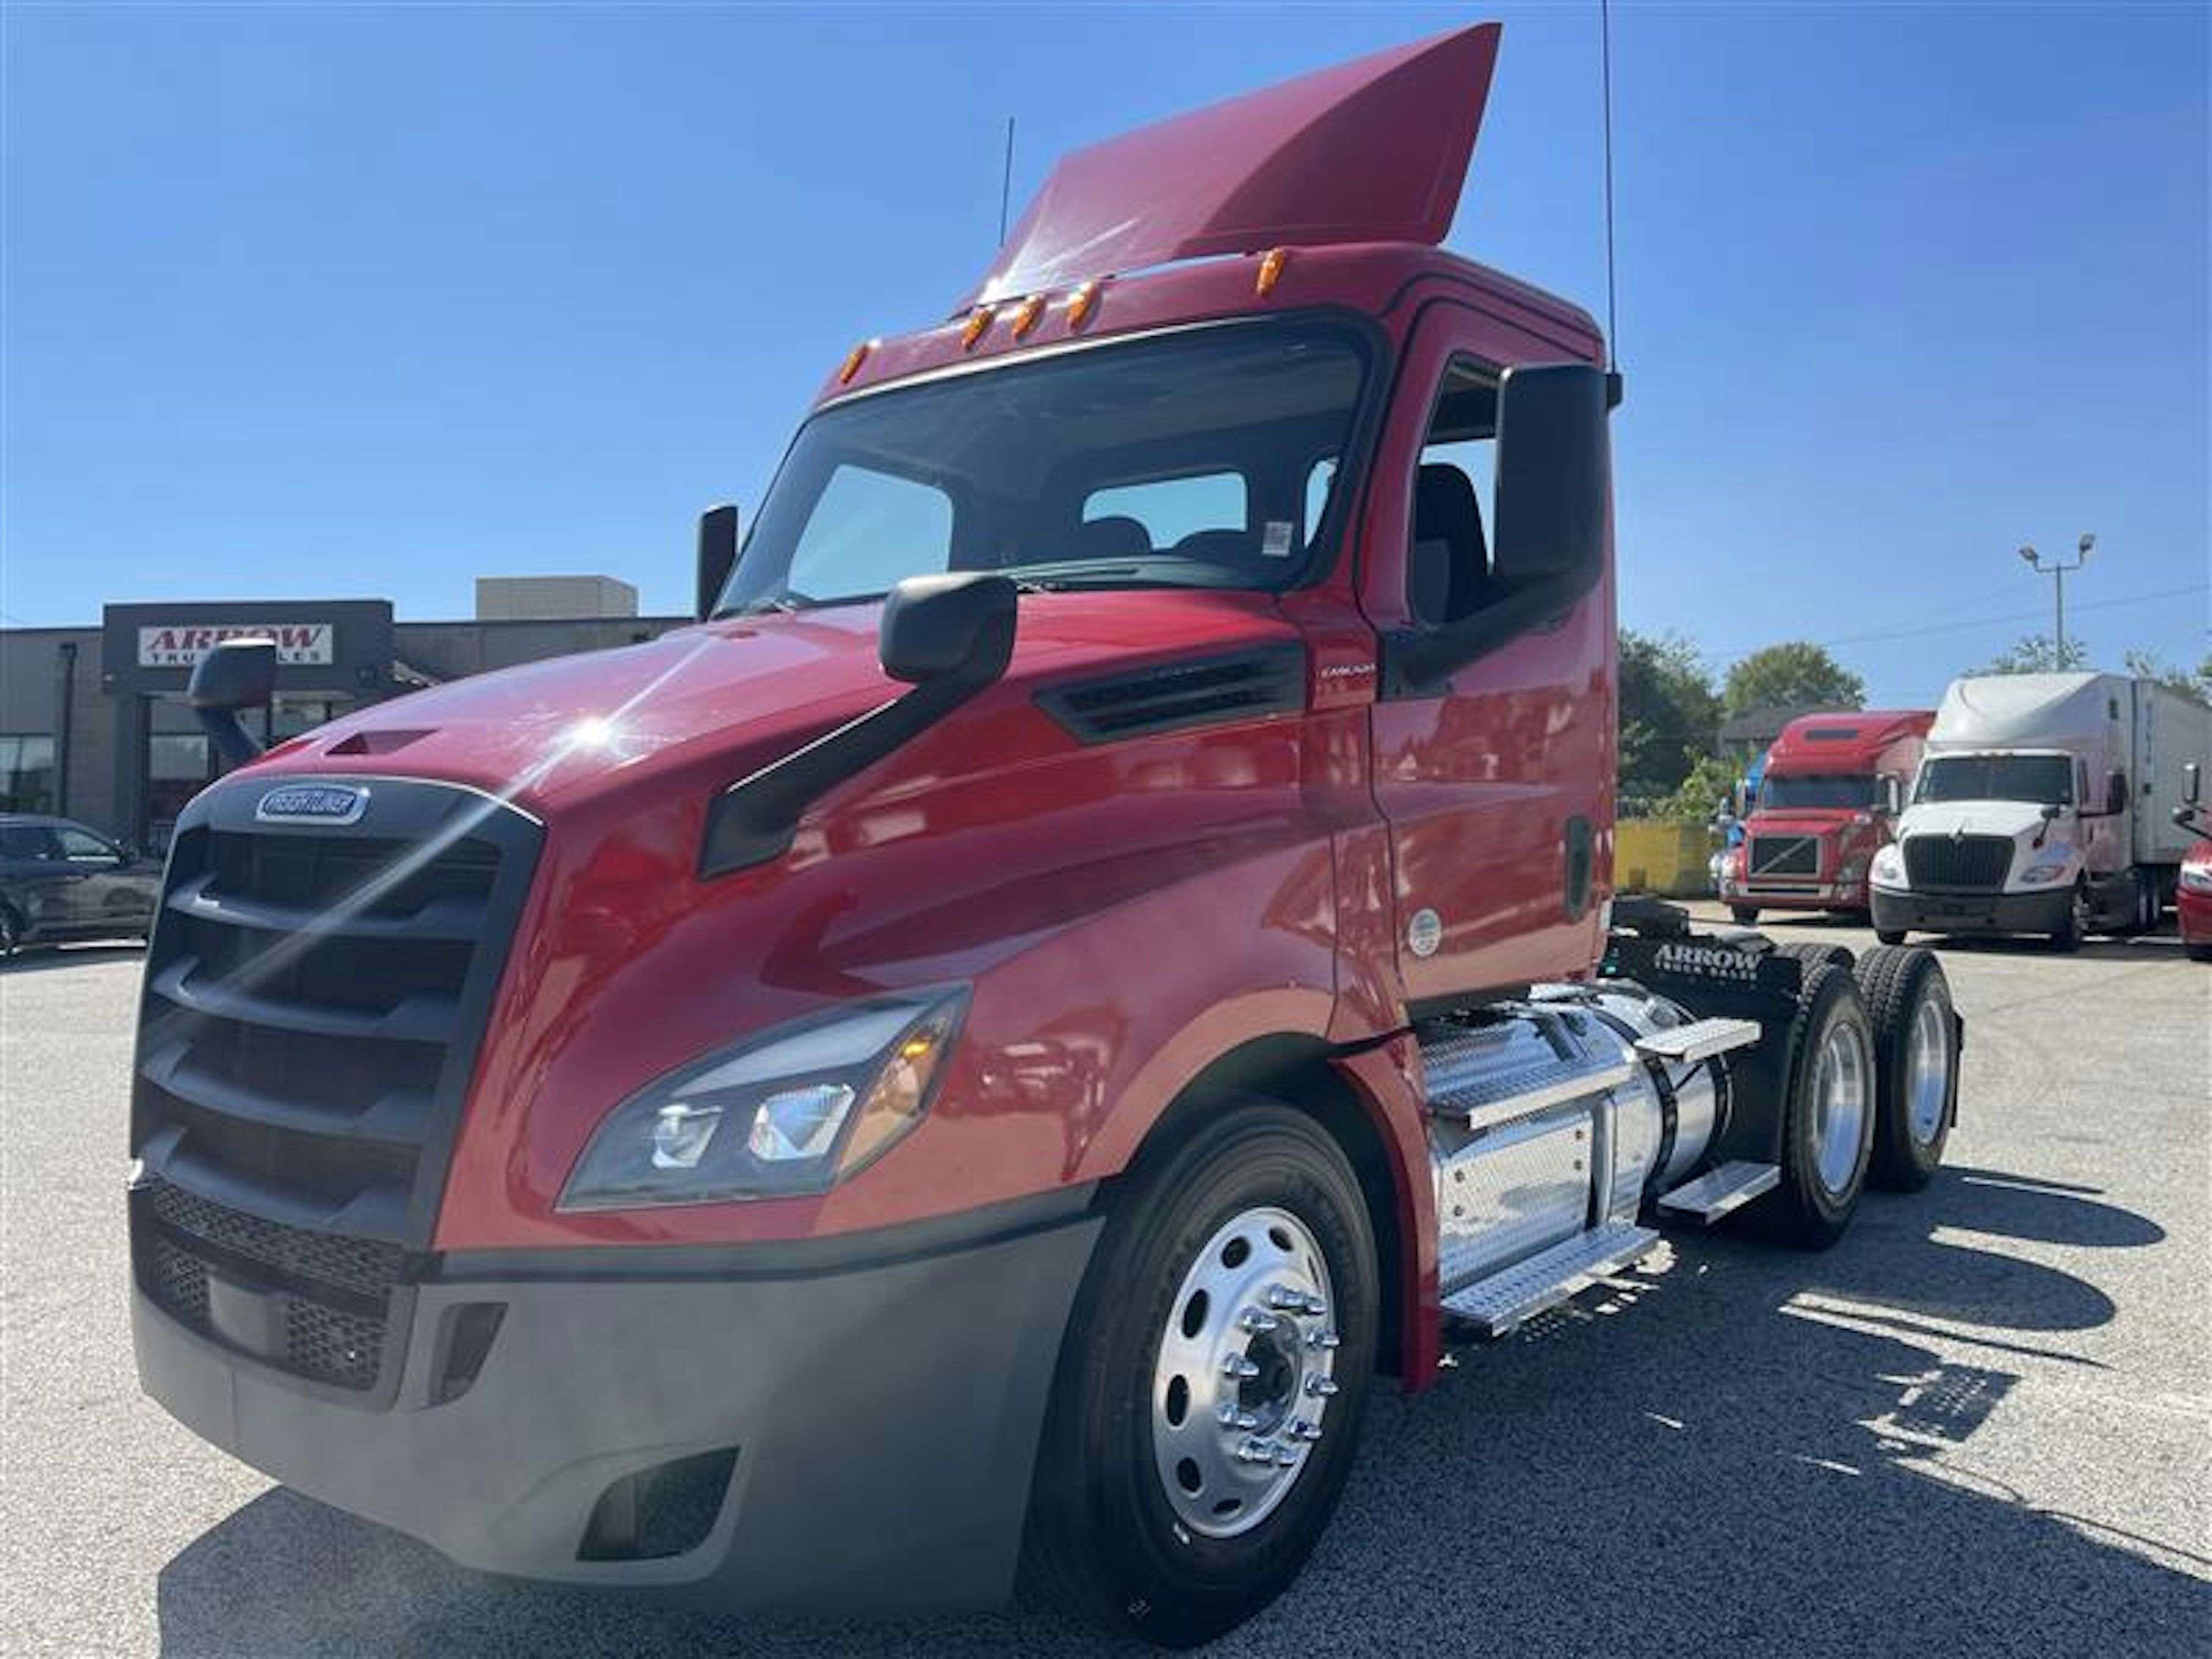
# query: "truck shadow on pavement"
{"type": "Point", "coordinates": [44, 958]}
{"type": "Point", "coordinates": [1776, 1457]}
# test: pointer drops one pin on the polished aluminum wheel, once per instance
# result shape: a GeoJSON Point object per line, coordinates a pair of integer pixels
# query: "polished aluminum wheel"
{"type": "Point", "coordinates": [1928, 1069]}
{"type": "Point", "coordinates": [1842, 1091]}
{"type": "Point", "coordinates": [1245, 1373]}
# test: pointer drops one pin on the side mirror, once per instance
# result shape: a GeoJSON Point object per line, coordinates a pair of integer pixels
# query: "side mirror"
{"type": "Point", "coordinates": [2051, 812]}
{"type": "Point", "coordinates": [1892, 794]}
{"type": "Point", "coordinates": [958, 627]}
{"type": "Point", "coordinates": [235, 674]}
{"type": "Point", "coordinates": [2116, 794]}
{"type": "Point", "coordinates": [2192, 783]}
{"type": "Point", "coordinates": [718, 555]}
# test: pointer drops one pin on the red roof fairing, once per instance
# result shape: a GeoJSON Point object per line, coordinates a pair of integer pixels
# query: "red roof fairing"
{"type": "Point", "coordinates": [1370, 151]}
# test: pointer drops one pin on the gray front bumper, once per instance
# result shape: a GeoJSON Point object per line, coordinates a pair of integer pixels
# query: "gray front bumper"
{"type": "Point", "coordinates": [885, 1414]}
{"type": "Point", "coordinates": [1971, 913]}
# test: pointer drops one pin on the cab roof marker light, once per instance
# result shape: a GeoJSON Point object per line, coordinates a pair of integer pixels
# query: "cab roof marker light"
{"type": "Point", "coordinates": [1083, 303]}
{"type": "Point", "coordinates": [978, 320]}
{"type": "Point", "coordinates": [1028, 317]}
{"type": "Point", "coordinates": [853, 359]}
{"type": "Point", "coordinates": [1270, 270]}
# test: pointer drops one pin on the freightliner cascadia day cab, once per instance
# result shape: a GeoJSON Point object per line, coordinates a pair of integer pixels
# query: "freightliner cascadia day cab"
{"type": "Point", "coordinates": [1822, 810]}
{"type": "Point", "coordinates": [2045, 805]}
{"type": "Point", "coordinates": [953, 1076]}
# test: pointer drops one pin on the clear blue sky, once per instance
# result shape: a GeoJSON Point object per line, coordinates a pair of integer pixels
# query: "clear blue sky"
{"type": "Point", "coordinates": [369, 300]}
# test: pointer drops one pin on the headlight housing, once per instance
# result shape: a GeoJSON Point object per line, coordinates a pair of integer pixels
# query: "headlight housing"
{"type": "Point", "coordinates": [788, 1112]}
{"type": "Point", "coordinates": [1888, 867]}
{"type": "Point", "coordinates": [2040, 875]}
{"type": "Point", "coordinates": [2196, 878]}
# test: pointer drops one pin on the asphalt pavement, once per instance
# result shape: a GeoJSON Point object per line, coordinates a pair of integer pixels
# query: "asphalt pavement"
{"type": "Point", "coordinates": [1981, 1425]}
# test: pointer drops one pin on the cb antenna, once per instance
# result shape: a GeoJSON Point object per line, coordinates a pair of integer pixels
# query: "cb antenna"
{"type": "Point", "coordinates": [1006, 182]}
{"type": "Point", "coordinates": [1605, 59]}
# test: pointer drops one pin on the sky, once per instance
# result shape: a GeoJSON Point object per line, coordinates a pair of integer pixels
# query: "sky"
{"type": "Point", "coordinates": [365, 301]}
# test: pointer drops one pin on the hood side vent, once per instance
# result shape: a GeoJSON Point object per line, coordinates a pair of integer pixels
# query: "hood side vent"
{"type": "Point", "coordinates": [1203, 692]}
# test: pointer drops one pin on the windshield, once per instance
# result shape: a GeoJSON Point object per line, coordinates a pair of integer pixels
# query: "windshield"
{"type": "Point", "coordinates": [1817, 791]}
{"type": "Point", "coordinates": [1201, 458]}
{"type": "Point", "coordinates": [2044, 779]}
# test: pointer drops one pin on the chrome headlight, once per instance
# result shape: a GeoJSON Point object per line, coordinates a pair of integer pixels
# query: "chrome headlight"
{"type": "Point", "coordinates": [1888, 869]}
{"type": "Point", "coordinates": [2037, 875]}
{"type": "Point", "coordinates": [791, 1110]}
{"type": "Point", "coordinates": [2196, 878]}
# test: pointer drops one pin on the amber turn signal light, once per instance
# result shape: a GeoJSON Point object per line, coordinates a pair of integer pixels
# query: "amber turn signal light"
{"type": "Point", "coordinates": [1082, 303]}
{"type": "Point", "coordinates": [1270, 270]}
{"type": "Point", "coordinates": [853, 359]}
{"type": "Point", "coordinates": [1028, 317]}
{"type": "Point", "coordinates": [978, 320]}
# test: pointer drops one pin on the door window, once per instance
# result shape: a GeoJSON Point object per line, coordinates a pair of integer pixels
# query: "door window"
{"type": "Point", "coordinates": [26, 842]}
{"type": "Point", "coordinates": [83, 846]}
{"type": "Point", "coordinates": [1449, 574]}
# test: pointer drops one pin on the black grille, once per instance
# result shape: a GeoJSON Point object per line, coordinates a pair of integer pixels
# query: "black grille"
{"type": "Point", "coordinates": [1965, 864]}
{"type": "Point", "coordinates": [1270, 680]}
{"type": "Point", "coordinates": [1784, 855]}
{"type": "Point", "coordinates": [316, 1303]}
{"type": "Point", "coordinates": [315, 997]}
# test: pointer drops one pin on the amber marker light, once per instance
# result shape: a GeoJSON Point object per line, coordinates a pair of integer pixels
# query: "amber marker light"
{"type": "Point", "coordinates": [1082, 304]}
{"type": "Point", "coordinates": [1028, 317]}
{"type": "Point", "coordinates": [853, 359]}
{"type": "Point", "coordinates": [1270, 270]}
{"type": "Point", "coordinates": [978, 320]}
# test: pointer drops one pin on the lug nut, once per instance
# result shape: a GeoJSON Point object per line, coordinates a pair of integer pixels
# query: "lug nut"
{"type": "Point", "coordinates": [1316, 1307]}
{"type": "Point", "coordinates": [1258, 1451]}
{"type": "Point", "coordinates": [1283, 1299]}
{"type": "Point", "coordinates": [1285, 1456]}
{"type": "Point", "coordinates": [1321, 1388]}
{"type": "Point", "coordinates": [1255, 1321]}
{"type": "Point", "coordinates": [1302, 1429]}
{"type": "Point", "coordinates": [1324, 1340]}
{"type": "Point", "coordinates": [1238, 1366]}
{"type": "Point", "coordinates": [1229, 1417]}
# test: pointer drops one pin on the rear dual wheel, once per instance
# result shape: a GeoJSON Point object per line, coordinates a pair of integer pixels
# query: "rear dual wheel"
{"type": "Point", "coordinates": [1916, 1034]}
{"type": "Point", "coordinates": [1206, 1410]}
{"type": "Point", "coordinates": [1828, 1107]}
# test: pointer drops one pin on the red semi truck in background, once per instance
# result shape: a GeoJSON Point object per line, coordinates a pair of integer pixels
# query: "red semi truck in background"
{"type": "Point", "coordinates": [2192, 892]}
{"type": "Point", "coordinates": [958, 1072]}
{"type": "Point", "coordinates": [1821, 812]}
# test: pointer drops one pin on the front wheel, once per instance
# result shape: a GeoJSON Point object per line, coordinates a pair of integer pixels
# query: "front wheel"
{"type": "Point", "coordinates": [11, 931]}
{"type": "Point", "coordinates": [1206, 1411]}
{"type": "Point", "coordinates": [1890, 935]}
{"type": "Point", "coordinates": [1745, 915]}
{"type": "Point", "coordinates": [2070, 932]}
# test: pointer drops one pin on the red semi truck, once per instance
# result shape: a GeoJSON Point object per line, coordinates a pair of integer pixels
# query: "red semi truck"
{"type": "Point", "coordinates": [958, 1071]}
{"type": "Point", "coordinates": [1821, 812]}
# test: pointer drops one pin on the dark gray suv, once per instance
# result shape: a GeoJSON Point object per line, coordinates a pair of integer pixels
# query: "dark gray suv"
{"type": "Point", "coordinates": [60, 880]}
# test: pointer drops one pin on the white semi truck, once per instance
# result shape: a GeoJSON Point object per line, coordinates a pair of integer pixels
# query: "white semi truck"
{"type": "Point", "coordinates": [2043, 804]}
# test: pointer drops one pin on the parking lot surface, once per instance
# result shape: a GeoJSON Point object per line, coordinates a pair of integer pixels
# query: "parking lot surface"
{"type": "Point", "coordinates": [1981, 1424]}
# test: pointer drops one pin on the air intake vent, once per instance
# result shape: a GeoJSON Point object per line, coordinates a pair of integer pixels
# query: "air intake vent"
{"type": "Point", "coordinates": [1205, 691]}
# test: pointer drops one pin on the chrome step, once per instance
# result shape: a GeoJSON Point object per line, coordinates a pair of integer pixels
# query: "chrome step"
{"type": "Point", "coordinates": [1701, 1039]}
{"type": "Point", "coordinates": [1721, 1191]}
{"type": "Point", "coordinates": [1493, 1074]}
{"type": "Point", "coordinates": [1495, 1305]}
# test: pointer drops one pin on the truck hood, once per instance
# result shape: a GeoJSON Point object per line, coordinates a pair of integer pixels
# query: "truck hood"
{"type": "Point", "coordinates": [742, 690]}
{"type": "Point", "coordinates": [2016, 820]}
{"type": "Point", "coordinates": [1804, 821]}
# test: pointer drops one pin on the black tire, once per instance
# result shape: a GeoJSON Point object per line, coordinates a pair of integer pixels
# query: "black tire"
{"type": "Point", "coordinates": [1896, 984]}
{"type": "Point", "coordinates": [2067, 939]}
{"type": "Point", "coordinates": [1890, 935]}
{"type": "Point", "coordinates": [1804, 1210]}
{"type": "Point", "coordinates": [2198, 952]}
{"type": "Point", "coordinates": [11, 932]}
{"type": "Point", "coordinates": [1746, 915]}
{"type": "Point", "coordinates": [1104, 1539]}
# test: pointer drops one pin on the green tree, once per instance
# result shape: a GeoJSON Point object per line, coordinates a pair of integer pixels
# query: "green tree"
{"type": "Point", "coordinates": [2038, 654]}
{"type": "Point", "coordinates": [1795, 674]}
{"type": "Point", "coordinates": [2190, 683]}
{"type": "Point", "coordinates": [1669, 715]}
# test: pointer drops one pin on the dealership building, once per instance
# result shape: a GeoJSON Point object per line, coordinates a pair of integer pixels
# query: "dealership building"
{"type": "Point", "coordinates": [93, 723]}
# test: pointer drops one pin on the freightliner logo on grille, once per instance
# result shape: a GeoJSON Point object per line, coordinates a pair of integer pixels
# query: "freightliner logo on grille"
{"type": "Point", "coordinates": [313, 802]}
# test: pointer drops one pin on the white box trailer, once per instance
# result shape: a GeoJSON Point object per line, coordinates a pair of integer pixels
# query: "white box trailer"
{"type": "Point", "coordinates": [2043, 804]}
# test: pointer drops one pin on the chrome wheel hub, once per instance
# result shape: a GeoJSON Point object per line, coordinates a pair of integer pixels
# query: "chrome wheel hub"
{"type": "Point", "coordinates": [1246, 1369]}
{"type": "Point", "coordinates": [1928, 1069]}
{"type": "Point", "coordinates": [1841, 1082]}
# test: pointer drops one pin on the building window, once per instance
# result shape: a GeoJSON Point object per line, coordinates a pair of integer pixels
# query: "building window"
{"type": "Point", "coordinates": [26, 774]}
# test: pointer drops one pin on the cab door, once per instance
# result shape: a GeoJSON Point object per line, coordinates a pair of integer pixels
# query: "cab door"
{"type": "Point", "coordinates": [1496, 778]}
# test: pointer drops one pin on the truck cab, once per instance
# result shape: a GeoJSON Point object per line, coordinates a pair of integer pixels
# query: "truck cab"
{"type": "Point", "coordinates": [959, 1072]}
{"type": "Point", "coordinates": [1824, 805]}
{"type": "Point", "coordinates": [2043, 805]}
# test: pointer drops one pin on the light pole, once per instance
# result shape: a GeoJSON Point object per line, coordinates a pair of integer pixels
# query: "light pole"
{"type": "Point", "coordinates": [2057, 571]}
